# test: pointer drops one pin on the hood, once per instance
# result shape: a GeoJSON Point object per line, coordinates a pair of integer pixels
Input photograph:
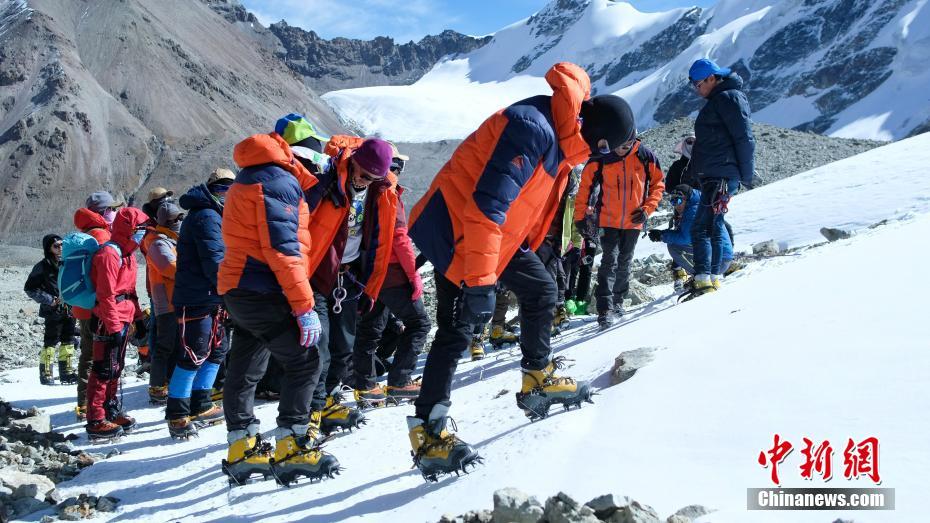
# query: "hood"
{"type": "Point", "coordinates": [199, 197]}
{"type": "Point", "coordinates": [126, 221]}
{"type": "Point", "coordinates": [85, 219]}
{"type": "Point", "coordinates": [261, 149]}
{"type": "Point", "coordinates": [47, 242]}
{"type": "Point", "coordinates": [734, 81]}
{"type": "Point", "coordinates": [570, 86]}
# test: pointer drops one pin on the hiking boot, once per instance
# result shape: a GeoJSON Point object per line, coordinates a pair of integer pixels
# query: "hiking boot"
{"type": "Point", "coordinates": [297, 456]}
{"type": "Point", "coordinates": [313, 428]}
{"type": "Point", "coordinates": [123, 420]}
{"type": "Point", "coordinates": [734, 266]}
{"type": "Point", "coordinates": [437, 451]}
{"type": "Point", "coordinates": [700, 285]}
{"type": "Point", "coordinates": [715, 280]}
{"type": "Point", "coordinates": [500, 336]}
{"type": "Point", "coordinates": [80, 412]}
{"type": "Point", "coordinates": [605, 319]}
{"type": "Point", "coordinates": [477, 349]}
{"type": "Point", "coordinates": [560, 320]}
{"type": "Point", "coordinates": [212, 416]}
{"type": "Point", "coordinates": [216, 395]}
{"type": "Point", "coordinates": [542, 388]}
{"type": "Point", "coordinates": [181, 428]}
{"type": "Point", "coordinates": [370, 398]}
{"type": "Point", "coordinates": [158, 395]}
{"type": "Point", "coordinates": [66, 374]}
{"type": "Point", "coordinates": [247, 455]}
{"type": "Point", "coordinates": [335, 415]}
{"type": "Point", "coordinates": [679, 279]}
{"type": "Point", "coordinates": [103, 429]}
{"type": "Point", "coordinates": [410, 391]}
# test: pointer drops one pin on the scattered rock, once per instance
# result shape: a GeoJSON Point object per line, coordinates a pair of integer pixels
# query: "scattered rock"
{"type": "Point", "coordinates": [605, 506]}
{"type": "Point", "coordinates": [107, 504]}
{"type": "Point", "coordinates": [674, 518]}
{"type": "Point", "coordinates": [627, 363]}
{"type": "Point", "coordinates": [766, 248]}
{"type": "Point", "coordinates": [563, 509]}
{"type": "Point", "coordinates": [25, 484]}
{"type": "Point", "coordinates": [693, 511]}
{"type": "Point", "coordinates": [639, 293]}
{"type": "Point", "coordinates": [635, 512]}
{"type": "Point", "coordinates": [26, 506]}
{"type": "Point", "coordinates": [832, 234]}
{"type": "Point", "coordinates": [511, 504]}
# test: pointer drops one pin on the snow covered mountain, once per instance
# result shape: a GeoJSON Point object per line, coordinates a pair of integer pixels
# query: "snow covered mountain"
{"type": "Point", "coordinates": [850, 68]}
{"type": "Point", "coordinates": [846, 358]}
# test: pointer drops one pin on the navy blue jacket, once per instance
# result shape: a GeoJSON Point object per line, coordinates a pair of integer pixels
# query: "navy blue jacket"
{"type": "Point", "coordinates": [200, 250]}
{"type": "Point", "coordinates": [725, 145]}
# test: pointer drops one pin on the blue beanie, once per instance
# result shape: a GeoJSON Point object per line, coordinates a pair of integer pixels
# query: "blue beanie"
{"type": "Point", "coordinates": [705, 67]}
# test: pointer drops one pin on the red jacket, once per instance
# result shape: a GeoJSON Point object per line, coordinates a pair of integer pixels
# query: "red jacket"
{"type": "Point", "coordinates": [89, 222]}
{"type": "Point", "coordinates": [403, 265]}
{"type": "Point", "coordinates": [113, 274]}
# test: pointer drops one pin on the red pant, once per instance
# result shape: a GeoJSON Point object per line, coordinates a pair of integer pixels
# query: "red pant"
{"type": "Point", "coordinates": [109, 358]}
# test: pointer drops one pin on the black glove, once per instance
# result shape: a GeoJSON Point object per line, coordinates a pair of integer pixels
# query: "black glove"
{"type": "Point", "coordinates": [656, 235]}
{"type": "Point", "coordinates": [475, 304]}
{"type": "Point", "coordinates": [639, 216]}
{"type": "Point", "coordinates": [582, 227]}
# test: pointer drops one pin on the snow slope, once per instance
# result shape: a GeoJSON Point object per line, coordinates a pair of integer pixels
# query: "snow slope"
{"type": "Point", "coordinates": [460, 92]}
{"type": "Point", "coordinates": [826, 344]}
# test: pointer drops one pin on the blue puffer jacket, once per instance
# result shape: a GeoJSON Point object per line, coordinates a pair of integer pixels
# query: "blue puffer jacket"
{"type": "Point", "coordinates": [200, 250]}
{"type": "Point", "coordinates": [681, 234]}
{"type": "Point", "coordinates": [725, 144]}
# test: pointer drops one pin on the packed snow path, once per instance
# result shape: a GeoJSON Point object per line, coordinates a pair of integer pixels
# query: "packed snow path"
{"type": "Point", "coordinates": [826, 344]}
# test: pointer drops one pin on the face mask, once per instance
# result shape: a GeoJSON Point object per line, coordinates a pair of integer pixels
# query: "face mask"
{"type": "Point", "coordinates": [137, 236]}
{"type": "Point", "coordinates": [108, 216]}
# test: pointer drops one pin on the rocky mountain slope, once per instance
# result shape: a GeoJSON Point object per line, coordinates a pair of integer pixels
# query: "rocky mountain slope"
{"type": "Point", "coordinates": [342, 63]}
{"type": "Point", "coordinates": [849, 68]}
{"type": "Point", "coordinates": [125, 95]}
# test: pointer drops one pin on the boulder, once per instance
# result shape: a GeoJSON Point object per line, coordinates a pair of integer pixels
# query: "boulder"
{"type": "Point", "coordinates": [563, 509]}
{"type": "Point", "coordinates": [639, 293]}
{"type": "Point", "coordinates": [511, 504]}
{"type": "Point", "coordinates": [833, 235]}
{"type": "Point", "coordinates": [693, 511]}
{"type": "Point", "coordinates": [766, 248]}
{"type": "Point", "coordinates": [25, 506]}
{"type": "Point", "coordinates": [635, 512]}
{"type": "Point", "coordinates": [674, 518]}
{"type": "Point", "coordinates": [107, 504]}
{"type": "Point", "coordinates": [24, 484]}
{"type": "Point", "coordinates": [627, 363]}
{"type": "Point", "coordinates": [39, 422]}
{"type": "Point", "coordinates": [604, 506]}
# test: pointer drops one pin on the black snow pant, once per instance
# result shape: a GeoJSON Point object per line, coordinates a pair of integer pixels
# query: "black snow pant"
{"type": "Point", "coordinates": [165, 351]}
{"type": "Point", "coordinates": [528, 279]}
{"type": "Point", "coordinates": [553, 262]}
{"type": "Point", "coordinates": [613, 277]}
{"type": "Point", "coordinates": [59, 329]}
{"type": "Point", "coordinates": [371, 326]}
{"type": "Point", "coordinates": [336, 354]}
{"type": "Point", "coordinates": [265, 326]}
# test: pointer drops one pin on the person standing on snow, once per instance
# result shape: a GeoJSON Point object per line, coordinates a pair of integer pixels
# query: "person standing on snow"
{"type": "Point", "coordinates": [265, 284]}
{"type": "Point", "coordinates": [486, 212]}
{"type": "Point", "coordinates": [721, 160]}
{"type": "Point", "coordinates": [630, 182]}
{"type": "Point", "coordinates": [198, 309]}
{"type": "Point", "coordinates": [400, 297]}
{"type": "Point", "coordinates": [161, 260]}
{"type": "Point", "coordinates": [113, 274]}
{"type": "Point", "coordinates": [42, 287]}
{"type": "Point", "coordinates": [93, 219]}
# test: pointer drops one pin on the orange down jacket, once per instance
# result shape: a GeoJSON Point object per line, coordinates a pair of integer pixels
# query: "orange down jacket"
{"type": "Point", "coordinates": [266, 223]}
{"type": "Point", "coordinates": [329, 212]}
{"type": "Point", "coordinates": [502, 186]}
{"type": "Point", "coordinates": [622, 183]}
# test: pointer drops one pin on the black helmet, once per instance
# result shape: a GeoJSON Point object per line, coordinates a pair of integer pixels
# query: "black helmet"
{"type": "Point", "coordinates": [607, 117]}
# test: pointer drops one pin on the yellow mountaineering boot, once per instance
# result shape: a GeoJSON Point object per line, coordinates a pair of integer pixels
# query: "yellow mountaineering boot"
{"type": "Point", "coordinates": [65, 368]}
{"type": "Point", "coordinates": [296, 455]}
{"type": "Point", "coordinates": [700, 285]}
{"type": "Point", "coordinates": [542, 388]}
{"type": "Point", "coordinates": [435, 450]}
{"type": "Point", "coordinates": [335, 415]}
{"type": "Point", "coordinates": [46, 357]}
{"type": "Point", "coordinates": [476, 348]}
{"type": "Point", "coordinates": [501, 336]}
{"type": "Point", "coordinates": [679, 279]}
{"type": "Point", "coordinates": [247, 455]}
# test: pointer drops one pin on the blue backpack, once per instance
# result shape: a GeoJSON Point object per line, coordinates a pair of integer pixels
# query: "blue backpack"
{"type": "Point", "coordinates": [74, 283]}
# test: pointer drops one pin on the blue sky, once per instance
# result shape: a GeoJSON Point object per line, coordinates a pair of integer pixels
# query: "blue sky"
{"type": "Point", "coordinates": [406, 20]}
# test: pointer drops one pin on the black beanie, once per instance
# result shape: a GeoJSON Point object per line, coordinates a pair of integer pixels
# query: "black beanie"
{"type": "Point", "coordinates": [682, 189]}
{"type": "Point", "coordinates": [607, 117]}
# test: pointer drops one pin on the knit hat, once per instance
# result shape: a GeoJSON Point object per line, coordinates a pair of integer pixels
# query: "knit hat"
{"type": "Point", "coordinates": [297, 130]}
{"type": "Point", "coordinates": [374, 156]}
{"type": "Point", "coordinates": [607, 117]}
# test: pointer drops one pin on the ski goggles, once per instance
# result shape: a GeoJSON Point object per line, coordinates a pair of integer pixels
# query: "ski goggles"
{"type": "Point", "coordinates": [397, 165]}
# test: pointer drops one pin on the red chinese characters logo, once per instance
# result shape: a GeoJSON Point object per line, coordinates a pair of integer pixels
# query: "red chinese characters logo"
{"type": "Point", "coordinates": [859, 459]}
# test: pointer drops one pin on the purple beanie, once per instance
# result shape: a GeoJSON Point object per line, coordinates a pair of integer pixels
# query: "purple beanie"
{"type": "Point", "coordinates": [374, 155]}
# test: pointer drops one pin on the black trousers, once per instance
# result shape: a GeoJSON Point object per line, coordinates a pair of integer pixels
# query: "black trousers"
{"type": "Point", "coordinates": [371, 326]}
{"type": "Point", "coordinates": [60, 329]}
{"type": "Point", "coordinates": [336, 353]}
{"type": "Point", "coordinates": [550, 257]}
{"type": "Point", "coordinates": [528, 279]}
{"type": "Point", "coordinates": [265, 326]}
{"type": "Point", "coordinates": [165, 351]}
{"type": "Point", "coordinates": [613, 277]}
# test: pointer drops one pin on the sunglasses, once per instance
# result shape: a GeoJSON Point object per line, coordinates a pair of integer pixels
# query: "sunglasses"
{"type": "Point", "coordinates": [397, 165]}
{"type": "Point", "coordinates": [697, 83]}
